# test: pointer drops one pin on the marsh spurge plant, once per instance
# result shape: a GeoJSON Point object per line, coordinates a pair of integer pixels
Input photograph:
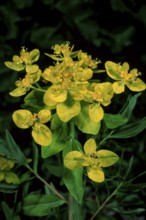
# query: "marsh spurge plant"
{"type": "Point", "coordinates": [66, 101]}
{"type": "Point", "coordinates": [70, 95]}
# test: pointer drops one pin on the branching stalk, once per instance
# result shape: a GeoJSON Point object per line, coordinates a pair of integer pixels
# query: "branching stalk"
{"type": "Point", "coordinates": [47, 184]}
{"type": "Point", "coordinates": [106, 201]}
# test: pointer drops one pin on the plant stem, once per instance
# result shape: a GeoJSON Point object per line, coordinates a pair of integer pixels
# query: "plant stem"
{"type": "Point", "coordinates": [70, 213]}
{"type": "Point", "coordinates": [74, 209]}
{"type": "Point", "coordinates": [47, 184]}
{"type": "Point", "coordinates": [106, 201]}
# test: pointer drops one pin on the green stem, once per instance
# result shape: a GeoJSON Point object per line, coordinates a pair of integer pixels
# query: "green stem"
{"type": "Point", "coordinates": [47, 184]}
{"type": "Point", "coordinates": [70, 212]}
{"type": "Point", "coordinates": [74, 209]}
{"type": "Point", "coordinates": [106, 201]}
{"type": "Point", "coordinates": [72, 129]}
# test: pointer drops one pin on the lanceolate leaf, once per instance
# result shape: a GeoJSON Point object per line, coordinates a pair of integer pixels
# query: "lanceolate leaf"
{"type": "Point", "coordinates": [9, 148]}
{"type": "Point", "coordinates": [127, 109]}
{"type": "Point", "coordinates": [73, 180]}
{"type": "Point", "coordinates": [39, 205]}
{"type": "Point", "coordinates": [130, 130]}
{"type": "Point", "coordinates": [114, 121]}
{"type": "Point", "coordinates": [129, 212]}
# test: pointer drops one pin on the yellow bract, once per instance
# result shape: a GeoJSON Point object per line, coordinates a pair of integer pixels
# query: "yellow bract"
{"type": "Point", "coordinates": [40, 132]}
{"type": "Point", "coordinates": [92, 159]}
{"type": "Point", "coordinates": [96, 112]}
{"type": "Point", "coordinates": [67, 110]}
{"type": "Point", "coordinates": [124, 77]}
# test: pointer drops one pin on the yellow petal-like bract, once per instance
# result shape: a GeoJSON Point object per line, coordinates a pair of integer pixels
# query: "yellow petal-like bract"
{"type": "Point", "coordinates": [42, 134]}
{"type": "Point", "coordinates": [23, 118]}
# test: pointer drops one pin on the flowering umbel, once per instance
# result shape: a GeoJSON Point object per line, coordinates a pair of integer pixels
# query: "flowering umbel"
{"type": "Point", "coordinates": [40, 132]}
{"type": "Point", "coordinates": [123, 77]}
{"type": "Point", "coordinates": [92, 159]}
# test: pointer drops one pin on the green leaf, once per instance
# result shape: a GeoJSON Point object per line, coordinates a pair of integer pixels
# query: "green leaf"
{"type": "Point", "coordinates": [59, 139]}
{"type": "Point", "coordinates": [120, 6]}
{"type": "Point", "coordinates": [130, 130]}
{"type": "Point", "coordinates": [7, 211]}
{"type": "Point", "coordinates": [8, 188]}
{"type": "Point", "coordinates": [73, 180]}
{"type": "Point", "coordinates": [39, 205]}
{"type": "Point", "coordinates": [9, 148]}
{"type": "Point", "coordinates": [130, 104]}
{"type": "Point", "coordinates": [129, 212]}
{"type": "Point", "coordinates": [34, 101]}
{"type": "Point", "coordinates": [114, 121]}
{"type": "Point", "coordinates": [84, 123]}
{"type": "Point", "coordinates": [55, 170]}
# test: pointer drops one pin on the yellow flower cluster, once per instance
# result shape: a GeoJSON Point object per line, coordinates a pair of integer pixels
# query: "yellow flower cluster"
{"type": "Point", "coordinates": [123, 77]}
{"type": "Point", "coordinates": [71, 94]}
{"type": "Point", "coordinates": [70, 90]}
{"type": "Point", "coordinates": [92, 159]}
{"type": "Point", "coordinates": [70, 78]}
{"type": "Point", "coordinates": [40, 132]}
{"type": "Point", "coordinates": [25, 62]}
{"type": "Point", "coordinates": [6, 174]}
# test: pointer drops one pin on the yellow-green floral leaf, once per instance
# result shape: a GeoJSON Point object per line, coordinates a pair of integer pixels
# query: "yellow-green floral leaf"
{"type": "Point", "coordinates": [15, 66]}
{"type": "Point", "coordinates": [32, 68]}
{"type": "Point", "coordinates": [84, 74]}
{"type": "Point", "coordinates": [48, 101]}
{"type": "Point", "coordinates": [42, 134]}
{"type": "Point", "coordinates": [118, 87]}
{"type": "Point", "coordinates": [11, 177]}
{"type": "Point", "coordinates": [6, 164]}
{"type": "Point", "coordinates": [102, 92]}
{"type": "Point", "coordinates": [44, 115]}
{"type": "Point", "coordinates": [68, 109]}
{"type": "Point", "coordinates": [113, 70]}
{"type": "Point", "coordinates": [23, 118]}
{"type": "Point", "coordinates": [96, 112]}
{"type": "Point", "coordinates": [55, 93]}
{"type": "Point", "coordinates": [34, 55]}
{"type": "Point", "coordinates": [97, 175]}
{"type": "Point", "coordinates": [47, 74]}
{"type": "Point", "coordinates": [73, 160]}
{"type": "Point", "coordinates": [84, 122]}
{"type": "Point", "coordinates": [136, 85]}
{"type": "Point", "coordinates": [90, 146]}
{"type": "Point", "coordinates": [18, 92]}
{"type": "Point", "coordinates": [107, 157]}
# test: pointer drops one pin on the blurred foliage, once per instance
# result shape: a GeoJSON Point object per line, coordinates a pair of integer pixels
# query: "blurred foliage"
{"type": "Point", "coordinates": [106, 29]}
